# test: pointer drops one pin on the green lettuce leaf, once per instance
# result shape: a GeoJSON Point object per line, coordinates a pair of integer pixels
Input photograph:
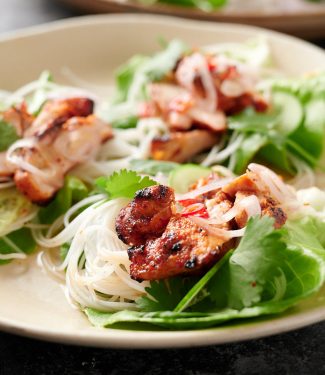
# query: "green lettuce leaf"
{"type": "Point", "coordinates": [22, 238]}
{"type": "Point", "coordinates": [183, 320]}
{"type": "Point", "coordinates": [165, 294]}
{"type": "Point", "coordinates": [12, 206]}
{"type": "Point", "coordinates": [8, 135]}
{"type": "Point", "coordinates": [133, 77]}
{"type": "Point", "coordinates": [73, 191]}
{"type": "Point", "coordinates": [36, 101]}
{"type": "Point", "coordinates": [271, 265]}
{"type": "Point", "coordinates": [270, 271]}
{"type": "Point", "coordinates": [125, 75]}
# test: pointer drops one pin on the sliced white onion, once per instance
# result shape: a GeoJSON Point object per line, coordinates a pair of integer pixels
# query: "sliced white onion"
{"type": "Point", "coordinates": [194, 66]}
{"type": "Point", "coordinates": [217, 232]}
{"type": "Point", "coordinates": [232, 88]}
{"type": "Point", "coordinates": [250, 205]}
{"type": "Point", "coordinates": [266, 179]}
{"type": "Point", "coordinates": [20, 162]}
{"type": "Point", "coordinates": [204, 189]}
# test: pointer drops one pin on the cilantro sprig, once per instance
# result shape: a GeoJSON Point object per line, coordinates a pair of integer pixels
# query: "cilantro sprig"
{"type": "Point", "coordinates": [123, 184]}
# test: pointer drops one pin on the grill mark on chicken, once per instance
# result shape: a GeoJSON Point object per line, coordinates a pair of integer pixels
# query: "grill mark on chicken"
{"type": "Point", "coordinates": [56, 112]}
{"type": "Point", "coordinates": [146, 216]}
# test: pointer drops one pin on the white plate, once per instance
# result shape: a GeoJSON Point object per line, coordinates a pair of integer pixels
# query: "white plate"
{"type": "Point", "coordinates": [32, 304]}
{"type": "Point", "coordinates": [297, 17]}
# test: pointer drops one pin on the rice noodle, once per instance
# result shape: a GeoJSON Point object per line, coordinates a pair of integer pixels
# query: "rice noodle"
{"type": "Point", "coordinates": [305, 177]}
{"type": "Point", "coordinates": [218, 156]}
{"type": "Point", "coordinates": [18, 254]}
{"type": "Point", "coordinates": [20, 222]}
{"type": "Point", "coordinates": [97, 264]}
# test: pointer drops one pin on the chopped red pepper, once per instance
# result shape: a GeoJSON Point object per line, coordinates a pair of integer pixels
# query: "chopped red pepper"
{"type": "Point", "coordinates": [197, 209]}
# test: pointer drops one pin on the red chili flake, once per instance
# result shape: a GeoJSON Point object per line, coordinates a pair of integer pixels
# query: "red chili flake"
{"type": "Point", "coordinates": [187, 202]}
{"type": "Point", "coordinates": [254, 284]}
{"type": "Point", "coordinates": [197, 209]}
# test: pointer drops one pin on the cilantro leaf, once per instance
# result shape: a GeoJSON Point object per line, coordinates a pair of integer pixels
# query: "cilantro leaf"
{"type": "Point", "coordinates": [123, 184]}
{"type": "Point", "coordinates": [270, 265]}
{"type": "Point", "coordinates": [8, 135]}
{"type": "Point", "coordinates": [240, 283]}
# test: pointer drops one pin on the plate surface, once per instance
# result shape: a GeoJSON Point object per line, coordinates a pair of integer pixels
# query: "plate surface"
{"type": "Point", "coordinates": [298, 17]}
{"type": "Point", "coordinates": [33, 304]}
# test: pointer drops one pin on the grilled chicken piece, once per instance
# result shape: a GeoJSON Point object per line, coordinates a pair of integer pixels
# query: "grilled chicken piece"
{"type": "Point", "coordinates": [182, 111]}
{"type": "Point", "coordinates": [184, 248]}
{"type": "Point", "coordinates": [242, 187]}
{"type": "Point", "coordinates": [182, 146]}
{"type": "Point", "coordinates": [146, 216]}
{"type": "Point", "coordinates": [56, 112]}
{"type": "Point", "coordinates": [19, 118]}
{"type": "Point", "coordinates": [163, 243]}
{"type": "Point", "coordinates": [74, 142]}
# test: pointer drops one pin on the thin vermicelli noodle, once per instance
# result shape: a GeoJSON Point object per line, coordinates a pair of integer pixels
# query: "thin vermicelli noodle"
{"type": "Point", "coordinates": [96, 265]}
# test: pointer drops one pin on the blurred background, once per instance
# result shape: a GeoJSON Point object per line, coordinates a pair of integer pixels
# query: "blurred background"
{"type": "Point", "coordinates": [303, 18]}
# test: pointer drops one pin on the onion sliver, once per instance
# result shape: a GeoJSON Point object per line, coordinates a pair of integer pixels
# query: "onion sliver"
{"type": "Point", "coordinates": [204, 189]}
{"type": "Point", "coordinates": [217, 232]}
{"type": "Point", "coordinates": [266, 179]}
{"type": "Point", "coordinates": [249, 204]}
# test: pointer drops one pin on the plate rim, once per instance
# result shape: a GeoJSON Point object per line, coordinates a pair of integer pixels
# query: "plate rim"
{"type": "Point", "coordinates": [133, 339]}
{"type": "Point", "coordinates": [97, 19]}
{"type": "Point", "coordinates": [158, 339]}
{"type": "Point", "coordinates": [317, 10]}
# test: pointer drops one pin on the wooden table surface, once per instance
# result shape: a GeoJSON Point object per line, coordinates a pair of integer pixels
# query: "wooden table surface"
{"type": "Point", "coordinates": [299, 352]}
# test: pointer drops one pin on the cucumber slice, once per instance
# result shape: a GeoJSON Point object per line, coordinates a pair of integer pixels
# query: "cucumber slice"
{"type": "Point", "coordinates": [291, 112]}
{"type": "Point", "coordinates": [315, 115]}
{"type": "Point", "coordinates": [182, 177]}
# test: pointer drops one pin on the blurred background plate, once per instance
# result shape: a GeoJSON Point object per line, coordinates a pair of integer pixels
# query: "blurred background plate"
{"type": "Point", "coordinates": [298, 17]}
